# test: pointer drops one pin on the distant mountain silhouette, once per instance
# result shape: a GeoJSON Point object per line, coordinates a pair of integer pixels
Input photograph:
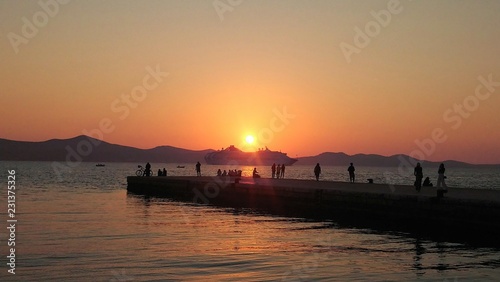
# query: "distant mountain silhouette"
{"type": "Point", "coordinates": [88, 149]}
{"type": "Point", "coordinates": [342, 159]}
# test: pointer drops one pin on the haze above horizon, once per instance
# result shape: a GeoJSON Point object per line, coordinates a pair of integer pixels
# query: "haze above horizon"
{"type": "Point", "coordinates": [419, 78]}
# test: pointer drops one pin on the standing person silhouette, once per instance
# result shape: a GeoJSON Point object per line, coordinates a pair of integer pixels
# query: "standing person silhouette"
{"type": "Point", "coordinates": [273, 170]}
{"type": "Point", "coordinates": [441, 177]}
{"type": "Point", "coordinates": [147, 170]}
{"type": "Point", "coordinates": [418, 177]}
{"type": "Point", "coordinates": [282, 170]}
{"type": "Point", "coordinates": [317, 171]}
{"type": "Point", "coordinates": [278, 171]}
{"type": "Point", "coordinates": [351, 170]}
{"type": "Point", "coordinates": [198, 169]}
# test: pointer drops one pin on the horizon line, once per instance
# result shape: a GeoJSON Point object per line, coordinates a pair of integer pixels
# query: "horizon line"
{"type": "Point", "coordinates": [310, 156]}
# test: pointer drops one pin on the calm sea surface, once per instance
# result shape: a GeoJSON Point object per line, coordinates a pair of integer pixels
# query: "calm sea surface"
{"type": "Point", "coordinates": [84, 226]}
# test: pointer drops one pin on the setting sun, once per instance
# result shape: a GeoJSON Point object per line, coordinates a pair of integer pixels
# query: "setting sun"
{"type": "Point", "coordinates": [249, 139]}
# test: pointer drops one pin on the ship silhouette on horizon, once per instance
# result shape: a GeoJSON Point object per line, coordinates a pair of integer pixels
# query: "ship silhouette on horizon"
{"type": "Point", "coordinates": [232, 155]}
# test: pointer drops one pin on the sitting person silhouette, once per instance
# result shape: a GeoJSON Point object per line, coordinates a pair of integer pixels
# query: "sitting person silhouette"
{"type": "Point", "coordinates": [255, 173]}
{"type": "Point", "coordinates": [427, 182]}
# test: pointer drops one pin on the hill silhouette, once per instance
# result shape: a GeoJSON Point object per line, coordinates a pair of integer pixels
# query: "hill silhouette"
{"type": "Point", "coordinates": [88, 149]}
{"type": "Point", "coordinates": [342, 159]}
{"type": "Point", "coordinates": [92, 150]}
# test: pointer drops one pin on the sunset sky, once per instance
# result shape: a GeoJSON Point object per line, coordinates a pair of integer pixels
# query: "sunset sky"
{"type": "Point", "coordinates": [304, 77]}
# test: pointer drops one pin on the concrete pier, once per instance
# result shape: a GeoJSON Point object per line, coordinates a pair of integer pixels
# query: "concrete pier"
{"type": "Point", "coordinates": [470, 214]}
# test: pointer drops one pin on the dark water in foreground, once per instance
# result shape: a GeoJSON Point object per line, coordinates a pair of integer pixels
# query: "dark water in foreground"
{"type": "Point", "coordinates": [88, 228]}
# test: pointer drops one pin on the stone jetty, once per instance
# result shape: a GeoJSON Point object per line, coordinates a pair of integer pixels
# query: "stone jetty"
{"type": "Point", "coordinates": [466, 214]}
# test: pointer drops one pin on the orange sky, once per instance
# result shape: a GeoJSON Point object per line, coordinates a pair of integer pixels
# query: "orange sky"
{"type": "Point", "coordinates": [303, 77]}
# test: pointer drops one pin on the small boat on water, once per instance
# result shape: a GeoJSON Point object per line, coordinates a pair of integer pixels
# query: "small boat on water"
{"type": "Point", "coordinates": [181, 166]}
{"type": "Point", "coordinates": [233, 155]}
{"type": "Point", "coordinates": [100, 165]}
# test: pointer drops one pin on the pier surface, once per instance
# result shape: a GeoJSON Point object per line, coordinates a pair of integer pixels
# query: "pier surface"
{"type": "Point", "coordinates": [468, 213]}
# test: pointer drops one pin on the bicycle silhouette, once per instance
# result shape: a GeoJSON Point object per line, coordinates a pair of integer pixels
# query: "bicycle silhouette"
{"type": "Point", "coordinates": [142, 171]}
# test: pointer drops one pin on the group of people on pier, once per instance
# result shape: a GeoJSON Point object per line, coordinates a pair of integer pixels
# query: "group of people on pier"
{"type": "Point", "coordinates": [350, 169]}
{"type": "Point", "coordinates": [231, 172]}
{"type": "Point", "coordinates": [419, 175]}
{"type": "Point", "coordinates": [162, 172]}
{"type": "Point", "coordinates": [147, 171]}
{"type": "Point", "coordinates": [278, 171]}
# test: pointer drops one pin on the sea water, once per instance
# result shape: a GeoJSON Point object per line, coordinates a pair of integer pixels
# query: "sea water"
{"type": "Point", "coordinates": [83, 225]}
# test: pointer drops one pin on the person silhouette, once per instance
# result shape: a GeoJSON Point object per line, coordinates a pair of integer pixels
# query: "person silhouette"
{"type": "Point", "coordinates": [198, 169]}
{"type": "Point", "coordinates": [441, 177]}
{"type": "Point", "coordinates": [282, 170]}
{"type": "Point", "coordinates": [159, 172]}
{"type": "Point", "coordinates": [427, 182]}
{"type": "Point", "coordinates": [255, 173]}
{"type": "Point", "coordinates": [351, 170]}
{"type": "Point", "coordinates": [273, 170]}
{"type": "Point", "coordinates": [147, 170]}
{"type": "Point", "coordinates": [278, 171]}
{"type": "Point", "coordinates": [317, 171]}
{"type": "Point", "coordinates": [418, 177]}
{"type": "Point", "coordinates": [164, 172]}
